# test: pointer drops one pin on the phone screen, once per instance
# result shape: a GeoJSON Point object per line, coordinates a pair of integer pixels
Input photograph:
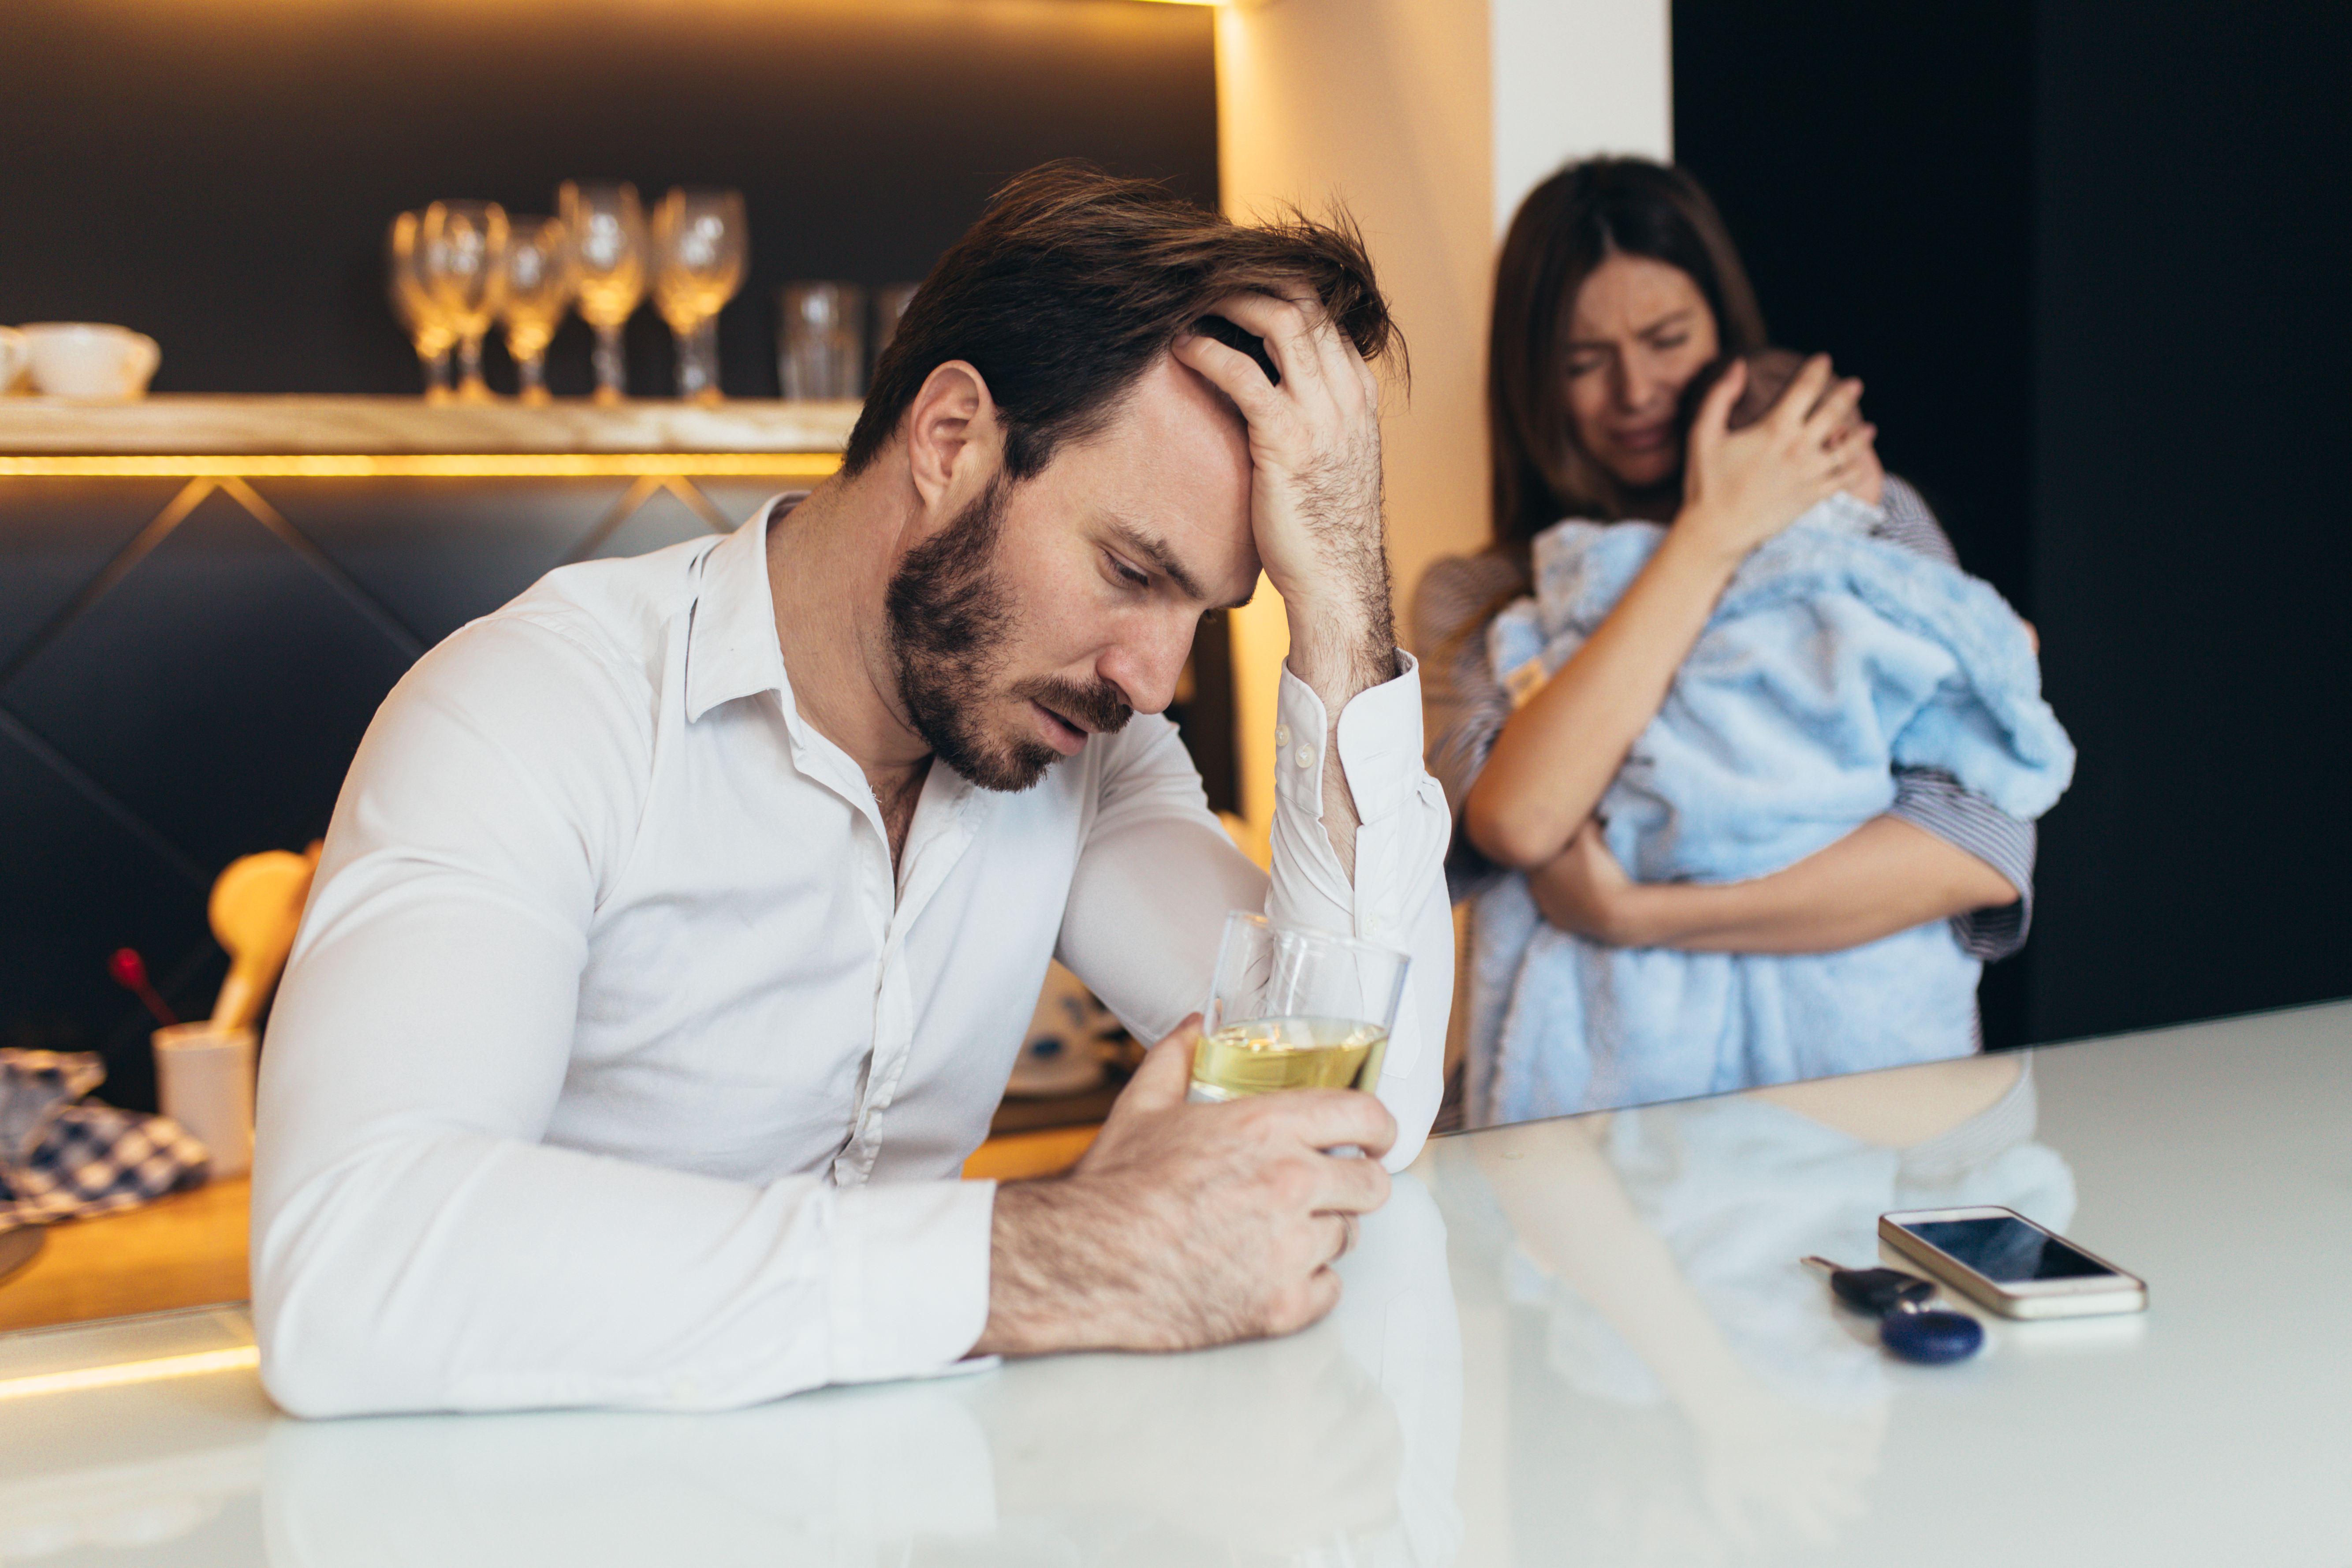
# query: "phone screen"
{"type": "Point", "coordinates": [2006, 1250]}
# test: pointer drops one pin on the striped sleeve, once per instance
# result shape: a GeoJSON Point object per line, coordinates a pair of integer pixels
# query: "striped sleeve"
{"type": "Point", "coordinates": [1936, 803]}
{"type": "Point", "coordinates": [1463, 704]}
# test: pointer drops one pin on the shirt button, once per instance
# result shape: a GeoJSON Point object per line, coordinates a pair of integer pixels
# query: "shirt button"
{"type": "Point", "coordinates": [1372, 925]}
{"type": "Point", "coordinates": [1282, 734]}
{"type": "Point", "coordinates": [1304, 756]}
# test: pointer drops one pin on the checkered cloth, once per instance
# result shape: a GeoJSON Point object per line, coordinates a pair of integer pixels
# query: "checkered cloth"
{"type": "Point", "coordinates": [59, 1158]}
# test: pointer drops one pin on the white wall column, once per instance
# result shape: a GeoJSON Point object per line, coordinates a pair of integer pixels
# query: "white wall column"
{"type": "Point", "coordinates": [1430, 119]}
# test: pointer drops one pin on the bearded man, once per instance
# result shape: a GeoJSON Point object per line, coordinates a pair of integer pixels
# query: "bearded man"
{"type": "Point", "coordinates": [679, 922]}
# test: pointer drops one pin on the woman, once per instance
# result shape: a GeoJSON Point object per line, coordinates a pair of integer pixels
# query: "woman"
{"type": "Point", "coordinates": [1617, 286]}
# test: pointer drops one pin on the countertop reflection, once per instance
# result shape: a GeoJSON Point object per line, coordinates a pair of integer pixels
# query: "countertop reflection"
{"type": "Point", "coordinates": [1585, 1341]}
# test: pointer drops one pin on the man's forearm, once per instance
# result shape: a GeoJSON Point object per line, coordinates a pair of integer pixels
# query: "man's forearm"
{"type": "Point", "coordinates": [1340, 648]}
{"type": "Point", "coordinates": [1185, 1225]}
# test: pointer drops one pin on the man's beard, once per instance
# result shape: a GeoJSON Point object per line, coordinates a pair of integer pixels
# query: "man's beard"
{"type": "Point", "coordinates": [951, 616]}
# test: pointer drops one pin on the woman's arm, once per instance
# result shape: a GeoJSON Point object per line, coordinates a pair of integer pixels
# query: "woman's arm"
{"type": "Point", "coordinates": [1556, 756]}
{"type": "Point", "coordinates": [1885, 876]}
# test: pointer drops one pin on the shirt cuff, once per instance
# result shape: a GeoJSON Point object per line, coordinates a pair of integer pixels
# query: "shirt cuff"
{"type": "Point", "coordinates": [907, 1291]}
{"type": "Point", "coordinates": [1380, 744]}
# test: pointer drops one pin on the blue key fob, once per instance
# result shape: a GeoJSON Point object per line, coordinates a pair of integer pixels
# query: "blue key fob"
{"type": "Point", "coordinates": [1907, 1326]}
{"type": "Point", "coordinates": [1931, 1338]}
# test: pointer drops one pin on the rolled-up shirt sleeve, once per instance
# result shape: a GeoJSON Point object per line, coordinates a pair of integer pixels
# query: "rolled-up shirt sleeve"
{"type": "Point", "coordinates": [416, 1246]}
{"type": "Point", "coordinates": [1934, 801]}
{"type": "Point", "coordinates": [1157, 874]}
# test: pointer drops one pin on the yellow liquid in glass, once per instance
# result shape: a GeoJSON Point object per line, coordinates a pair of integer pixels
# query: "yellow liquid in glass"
{"type": "Point", "coordinates": [1260, 1056]}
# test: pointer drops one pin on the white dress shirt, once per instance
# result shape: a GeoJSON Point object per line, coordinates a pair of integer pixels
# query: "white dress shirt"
{"type": "Point", "coordinates": [617, 1065]}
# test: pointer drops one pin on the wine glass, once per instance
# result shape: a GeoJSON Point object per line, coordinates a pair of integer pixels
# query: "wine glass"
{"type": "Point", "coordinates": [462, 246]}
{"type": "Point", "coordinates": [540, 271]}
{"type": "Point", "coordinates": [608, 235]}
{"type": "Point", "coordinates": [699, 257]}
{"type": "Point", "coordinates": [412, 302]}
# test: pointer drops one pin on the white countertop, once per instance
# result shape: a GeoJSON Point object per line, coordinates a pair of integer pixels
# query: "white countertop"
{"type": "Point", "coordinates": [1578, 1341]}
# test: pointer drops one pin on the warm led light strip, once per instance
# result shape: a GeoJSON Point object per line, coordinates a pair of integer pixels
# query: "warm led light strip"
{"type": "Point", "coordinates": [132, 1371]}
{"type": "Point", "coordinates": [436, 465]}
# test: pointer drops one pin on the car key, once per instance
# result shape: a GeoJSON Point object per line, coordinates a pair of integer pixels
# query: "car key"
{"type": "Point", "coordinates": [1906, 1326]}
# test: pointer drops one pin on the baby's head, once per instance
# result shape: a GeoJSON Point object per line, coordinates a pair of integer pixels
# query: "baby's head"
{"type": "Point", "coordinates": [1770, 372]}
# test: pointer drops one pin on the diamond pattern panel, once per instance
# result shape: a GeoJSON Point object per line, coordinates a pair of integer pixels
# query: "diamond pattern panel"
{"type": "Point", "coordinates": [662, 521]}
{"type": "Point", "coordinates": [79, 886]}
{"type": "Point", "coordinates": [738, 499]}
{"type": "Point", "coordinates": [60, 534]}
{"type": "Point", "coordinates": [439, 553]}
{"type": "Point", "coordinates": [218, 690]}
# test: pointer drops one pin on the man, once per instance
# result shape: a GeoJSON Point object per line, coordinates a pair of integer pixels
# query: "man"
{"type": "Point", "coordinates": [679, 922]}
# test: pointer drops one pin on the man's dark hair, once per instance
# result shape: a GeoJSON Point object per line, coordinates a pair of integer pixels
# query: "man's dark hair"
{"type": "Point", "coordinates": [1074, 282]}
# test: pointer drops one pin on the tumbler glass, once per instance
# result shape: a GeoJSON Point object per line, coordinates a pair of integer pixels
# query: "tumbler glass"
{"type": "Point", "coordinates": [1295, 1008]}
{"type": "Point", "coordinates": [823, 353]}
{"type": "Point", "coordinates": [890, 302]}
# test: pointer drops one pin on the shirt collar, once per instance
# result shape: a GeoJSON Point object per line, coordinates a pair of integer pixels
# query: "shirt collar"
{"type": "Point", "coordinates": [731, 649]}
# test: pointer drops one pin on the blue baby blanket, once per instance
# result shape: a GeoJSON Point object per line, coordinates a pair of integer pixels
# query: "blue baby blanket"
{"type": "Point", "coordinates": [1832, 659]}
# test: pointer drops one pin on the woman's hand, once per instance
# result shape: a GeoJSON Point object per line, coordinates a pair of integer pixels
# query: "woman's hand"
{"type": "Point", "coordinates": [1742, 486]}
{"type": "Point", "coordinates": [1584, 889]}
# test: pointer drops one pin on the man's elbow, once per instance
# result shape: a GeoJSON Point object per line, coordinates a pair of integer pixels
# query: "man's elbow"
{"type": "Point", "coordinates": [325, 1341]}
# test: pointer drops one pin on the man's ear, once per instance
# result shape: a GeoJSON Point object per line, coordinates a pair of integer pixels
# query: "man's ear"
{"type": "Point", "coordinates": [954, 443]}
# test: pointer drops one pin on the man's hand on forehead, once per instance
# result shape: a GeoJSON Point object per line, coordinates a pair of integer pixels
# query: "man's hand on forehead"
{"type": "Point", "coordinates": [1315, 505]}
{"type": "Point", "coordinates": [1315, 454]}
{"type": "Point", "coordinates": [1234, 337]}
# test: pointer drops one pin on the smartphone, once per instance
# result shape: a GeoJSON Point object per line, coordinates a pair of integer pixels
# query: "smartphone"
{"type": "Point", "coordinates": [2000, 1259]}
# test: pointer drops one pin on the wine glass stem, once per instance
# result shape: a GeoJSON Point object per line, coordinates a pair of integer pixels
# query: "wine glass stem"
{"type": "Point", "coordinates": [698, 362]}
{"type": "Point", "coordinates": [531, 372]}
{"type": "Point", "coordinates": [435, 366]}
{"type": "Point", "coordinates": [470, 385]}
{"type": "Point", "coordinates": [612, 366]}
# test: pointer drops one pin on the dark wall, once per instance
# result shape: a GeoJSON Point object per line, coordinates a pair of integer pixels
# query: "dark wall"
{"type": "Point", "coordinates": [2082, 254]}
{"type": "Point", "coordinates": [2191, 519]}
{"type": "Point", "coordinates": [178, 689]}
{"type": "Point", "coordinates": [221, 177]}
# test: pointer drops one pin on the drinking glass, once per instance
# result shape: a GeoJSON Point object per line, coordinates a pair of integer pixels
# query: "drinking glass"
{"type": "Point", "coordinates": [1295, 1008]}
{"type": "Point", "coordinates": [608, 234]}
{"type": "Point", "coordinates": [462, 245]}
{"type": "Point", "coordinates": [412, 302]}
{"type": "Point", "coordinates": [540, 275]}
{"type": "Point", "coordinates": [699, 252]}
{"type": "Point", "coordinates": [824, 349]}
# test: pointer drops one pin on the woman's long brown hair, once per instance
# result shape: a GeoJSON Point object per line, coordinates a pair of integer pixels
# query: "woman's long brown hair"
{"type": "Point", "coordinates": [1567, 226]}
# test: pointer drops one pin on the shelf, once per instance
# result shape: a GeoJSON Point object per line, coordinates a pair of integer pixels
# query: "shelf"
{"type": "Point", "coordinates": [187, 427]}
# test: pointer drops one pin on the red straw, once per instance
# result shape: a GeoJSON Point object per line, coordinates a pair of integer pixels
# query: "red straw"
{"type": "Point", "coordinates": [130, 972]}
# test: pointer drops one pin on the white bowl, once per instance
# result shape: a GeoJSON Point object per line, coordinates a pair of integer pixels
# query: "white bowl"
{"type": "Point", "coordinates": [13, 352]}
{"type": "Point", "coordinates": [90, 359]}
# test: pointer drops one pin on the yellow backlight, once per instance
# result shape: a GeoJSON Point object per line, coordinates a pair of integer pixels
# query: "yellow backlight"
{"type": "Point", "coordinates": [434, 465]}
{"type": "Point", "coordinates": [238, 1360]}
